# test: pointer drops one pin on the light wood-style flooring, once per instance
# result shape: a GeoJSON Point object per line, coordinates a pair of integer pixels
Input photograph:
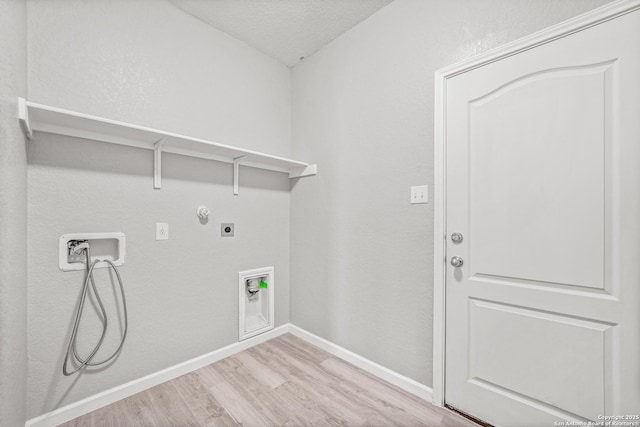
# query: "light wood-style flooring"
{"type": "Point", "coordinates": [283, 382]}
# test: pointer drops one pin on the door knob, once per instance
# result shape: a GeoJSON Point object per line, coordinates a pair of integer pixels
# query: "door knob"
{"type": "Point", "coordinates": [456, 261]}
{"type": "Point", "coordinates": [456, 237]}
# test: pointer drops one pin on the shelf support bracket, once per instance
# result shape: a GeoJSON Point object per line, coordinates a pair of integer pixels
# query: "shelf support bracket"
{"type": "Point", "coordinates": [157, 164]}
{"type": "Point", "coordinates": [303, 171]}
{"type": "Point", "coordinates": [236, 166]}
{"type": "Point", "coordinates": [23, 117]}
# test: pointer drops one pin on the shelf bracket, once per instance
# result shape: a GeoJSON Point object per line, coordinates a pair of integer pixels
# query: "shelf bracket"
{"type": "Point", "coordinates": [23, 117]}
{"type": "Point", "coordinates": [303, 171]}
{"type": "Point", "coordinates": [236, 166]}
{"type": "Point", "coordinates": [157, 164]}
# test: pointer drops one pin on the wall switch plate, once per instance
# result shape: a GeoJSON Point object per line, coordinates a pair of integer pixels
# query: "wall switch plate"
{"type": "Point", "coordinates": [419, 194]}
{"type": "Point", "coordinates": [162, 231]}
{"type": "Point", "coordinates": [226, 229]}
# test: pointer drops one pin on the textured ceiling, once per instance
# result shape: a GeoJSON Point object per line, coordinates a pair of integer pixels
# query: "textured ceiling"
{"type": "Point", "coordinates": [284, 29]}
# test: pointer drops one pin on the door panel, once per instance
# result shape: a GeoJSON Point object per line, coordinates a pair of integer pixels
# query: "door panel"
{"type": "Point", "coordinates": [543, 182]}
{"type": "Point", "coordinates": [566, 359]}
{"type": "Point", "coordinates": [526, 186]}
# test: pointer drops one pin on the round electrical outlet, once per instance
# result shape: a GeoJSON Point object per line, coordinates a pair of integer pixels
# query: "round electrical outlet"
{"type": "Point", "coordinates": [226, 230]}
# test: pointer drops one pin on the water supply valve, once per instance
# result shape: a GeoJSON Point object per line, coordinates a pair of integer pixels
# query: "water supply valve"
{"type": "Point", "coordinates": [255, 284]}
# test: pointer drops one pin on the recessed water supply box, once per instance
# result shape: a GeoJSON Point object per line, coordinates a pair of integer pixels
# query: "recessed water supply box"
{"type": "Point", "coordinates": [256, 302]}
{"type": "Point", "coordinates": [102, 246]}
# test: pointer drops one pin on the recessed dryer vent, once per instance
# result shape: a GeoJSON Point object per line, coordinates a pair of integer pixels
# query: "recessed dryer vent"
{"type": "Point", "coordinates": [256, 302]}
{"type": "Point", "coordinates": [109, 246]}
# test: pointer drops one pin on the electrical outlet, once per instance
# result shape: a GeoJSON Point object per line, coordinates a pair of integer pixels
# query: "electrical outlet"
{"type": "Point", "coordinates": [226, 229]}
{"type": "Point", "coordinates": [419, 194]}
{"type": "Point", "coordinates": [162, 231]}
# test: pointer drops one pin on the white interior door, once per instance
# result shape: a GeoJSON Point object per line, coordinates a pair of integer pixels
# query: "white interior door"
{"type": "Point", "coordinates": [543, 185]}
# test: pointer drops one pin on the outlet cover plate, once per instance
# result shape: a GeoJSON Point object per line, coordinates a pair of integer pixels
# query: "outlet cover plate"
{"type": "Point", "coordinates": [227, 229]}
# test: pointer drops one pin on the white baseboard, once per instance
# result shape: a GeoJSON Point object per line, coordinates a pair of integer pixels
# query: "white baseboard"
{"type": "Point", "coordinates": [379, 371]}
{"type": "Point", "coordinates": [107, 397]}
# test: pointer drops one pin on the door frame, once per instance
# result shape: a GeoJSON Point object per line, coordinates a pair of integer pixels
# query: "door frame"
{"type": "Point", "coordinates": [594, 17]}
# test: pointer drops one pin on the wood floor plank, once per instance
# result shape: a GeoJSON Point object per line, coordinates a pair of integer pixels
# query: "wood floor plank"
{"type": "Point", "coordinates": [392, 414]}
{"type": "Point", "coordinates": [378, 420]}
{"type": "Point", "coordinates": [303, 351]}
{"type": "Point", "coordinates": [101, 417]}
{"type": "Point", "coordinates": [171, 406]}
{"type": "Point", "coordinates": [138, 410]}
{"type": "Point", "coordinates": [283, 382]}
{"type": "Point", "coordinates": [300, 346]}
{"type": "Point", "coordinates": [119, 413]}
{"type": "Point", "coordinates": [308, 411]}
{"type": "Point", "coordinates": [209, 376]}
{"type": "Point", "coordinates": [322, 389]}
{"type": "Point", "coordinates": [315, 371]}
{"type": "Point", "coordinates": [298, 365]}
{"type": "Point", "coordinates": [261, 396]}
{"type": "Point", "coordinates": [238, 406]}
{"type": "Point", "coordinates": [260, 371]}
{"type": "Point", "coordinates": [378, 394]}
{"type": "Point", "coordinates": [389, 399]}
{"type": "Point", "coordinates": [205, 408]}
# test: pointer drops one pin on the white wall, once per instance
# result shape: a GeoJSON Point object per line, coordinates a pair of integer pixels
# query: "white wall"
{"type": "Point", "coordinates": [148, 63]}
{"type": "Point", "coordinates": [361, 255]}
{"type": "Point", "coordinates": [13, 216]}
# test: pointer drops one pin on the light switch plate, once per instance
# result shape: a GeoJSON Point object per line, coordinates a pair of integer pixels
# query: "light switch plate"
{"type": "Point", "coordinates": [419, 194]}
{"type": "Point", "coordinates": [162, 231]}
